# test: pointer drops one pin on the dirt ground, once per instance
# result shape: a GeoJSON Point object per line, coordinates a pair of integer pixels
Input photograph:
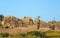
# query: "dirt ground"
{"type": "Point", "coordinates": [19, 30]}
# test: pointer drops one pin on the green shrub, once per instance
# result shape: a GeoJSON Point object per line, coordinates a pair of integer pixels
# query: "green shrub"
{"type": "Point", "coordinates": [35, 34]}
{"type": "Point", "coordinates": [4, 34]}
{"type": "Point", "coordinates": [23, 35]}
{"type": "Point", "coordinates": [52, 33]}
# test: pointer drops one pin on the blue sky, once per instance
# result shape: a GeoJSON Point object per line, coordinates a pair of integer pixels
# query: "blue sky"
{"type": "Point", "coordinates": [47, 9]}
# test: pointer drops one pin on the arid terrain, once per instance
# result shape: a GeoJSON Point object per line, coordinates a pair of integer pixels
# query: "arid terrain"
{"type": "Point", "coordinates": [14, 25]}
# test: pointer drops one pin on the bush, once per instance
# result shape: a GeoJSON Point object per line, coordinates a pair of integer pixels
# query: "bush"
{"type": "Point", "coordinates": [32, 34]}
{"type": "Point", "coordinates": [4, 34]}
{"type": "Point", "coordinates": [0, 24]}
{"type": "Point", "coordinates": [23, 35]}
{"type": "Point", "coordinates": [52, 33]}
{"type": "Point", "coordinates": [35, 33]}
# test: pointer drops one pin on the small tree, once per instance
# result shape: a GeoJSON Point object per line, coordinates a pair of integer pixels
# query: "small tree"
{"type": "Point", "coordinates": [1, 17]}
{"type": "Point", "coordinates": [53, 24]}
{"type": "Point", "coordinates": [30, 21]}
{"type": "Point", "coordinates": [52, 27]}
{"type": "Point", "coordinates": [38, 23]}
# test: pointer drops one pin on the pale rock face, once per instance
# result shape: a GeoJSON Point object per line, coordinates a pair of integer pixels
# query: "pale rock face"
{"type": "Point", "coordinates": [2, 22]}
{"type": "Point", "coordinates": [11, 21]}
{"type": "Point", "coordinates": [28, 20]}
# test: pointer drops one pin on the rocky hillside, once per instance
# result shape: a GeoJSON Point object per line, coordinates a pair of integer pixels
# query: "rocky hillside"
{"type": "Point", "coordinates": [11, 22]}
{"type": "Point", "coordinates": [13, 25]}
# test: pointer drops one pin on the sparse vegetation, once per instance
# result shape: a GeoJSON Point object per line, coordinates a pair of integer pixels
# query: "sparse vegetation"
{"type": "Point", "coordinates": [2, 35]}
{"type": "Point", "coordinates": [0, 24]}
{"type": "Point", "coordinates": [33, 34]}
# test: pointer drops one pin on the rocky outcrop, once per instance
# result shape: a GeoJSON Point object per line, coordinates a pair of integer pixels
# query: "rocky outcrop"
{"type": "Point", "coordinates": [28, 20]}
{"type": "Point", "coordinates": [12, 21]}
{"type": "Point", "coordinates": [57, 24]}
